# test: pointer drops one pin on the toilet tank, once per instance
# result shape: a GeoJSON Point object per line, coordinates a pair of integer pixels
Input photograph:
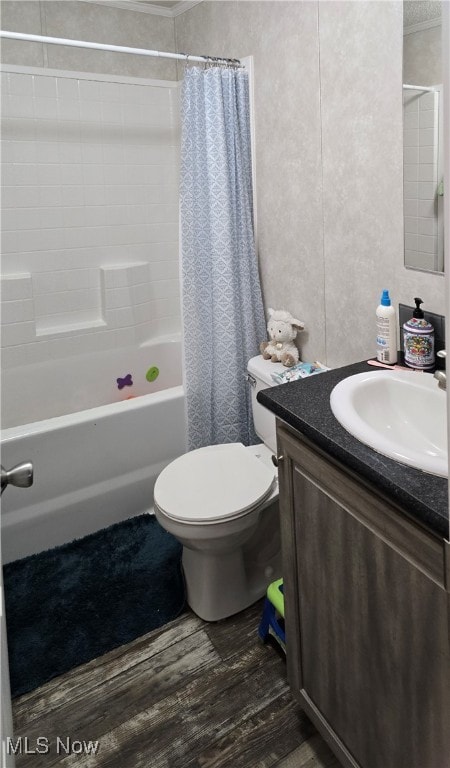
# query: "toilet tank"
{"type": "Point", "coordinates": [260, 371]}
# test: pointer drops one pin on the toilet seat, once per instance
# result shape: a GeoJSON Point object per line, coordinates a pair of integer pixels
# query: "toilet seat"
{"type": "Point", "coordinates": [213, 484]}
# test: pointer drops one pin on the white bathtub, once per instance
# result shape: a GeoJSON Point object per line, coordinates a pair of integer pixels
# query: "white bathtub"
{"type": "Point", "coordinates": [96, 466]}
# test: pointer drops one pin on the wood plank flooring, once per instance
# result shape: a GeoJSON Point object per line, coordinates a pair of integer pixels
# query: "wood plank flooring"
{"type": "Point", "coordinates": [188, 695]}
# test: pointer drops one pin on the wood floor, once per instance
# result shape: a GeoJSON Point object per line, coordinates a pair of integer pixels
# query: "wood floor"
{"type": "Point", "coordinates": [189, 695]}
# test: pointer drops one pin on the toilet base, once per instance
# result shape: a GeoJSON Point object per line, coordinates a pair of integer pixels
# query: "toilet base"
{"type": "Point", "coordinates": [201, 574]}
{"type": "Point", "coordinates": [220, 584]}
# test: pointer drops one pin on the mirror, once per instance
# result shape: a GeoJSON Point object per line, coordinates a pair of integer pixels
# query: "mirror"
{"type": "Point", "coordinates": [423, 184]}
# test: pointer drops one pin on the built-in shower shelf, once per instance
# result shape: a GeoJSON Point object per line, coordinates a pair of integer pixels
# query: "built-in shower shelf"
{"type": "Point", "coordinates": [36, 306]}
{"type": "Point", "coordinates": [69, 328]}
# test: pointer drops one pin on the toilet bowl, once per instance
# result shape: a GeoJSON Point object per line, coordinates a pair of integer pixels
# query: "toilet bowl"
{"type": "Point", "coordinates": [221, 503]}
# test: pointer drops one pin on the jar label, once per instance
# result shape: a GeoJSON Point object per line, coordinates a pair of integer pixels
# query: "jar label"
{"type": "Point", "coordinates": [419, 350]}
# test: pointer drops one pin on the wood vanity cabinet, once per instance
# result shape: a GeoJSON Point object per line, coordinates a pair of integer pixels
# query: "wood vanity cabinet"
{"type": "Point", "coordinates": [367, 615]}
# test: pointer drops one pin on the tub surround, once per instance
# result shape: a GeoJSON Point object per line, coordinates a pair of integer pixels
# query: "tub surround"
{"type": "Point", "coordinates": [304, 405]}
{"type": "Point", "coordinates": [89, 213]}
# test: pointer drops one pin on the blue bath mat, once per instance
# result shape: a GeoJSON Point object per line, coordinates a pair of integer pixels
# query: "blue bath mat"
{"type": "Point", "coordinates": [73, 603]}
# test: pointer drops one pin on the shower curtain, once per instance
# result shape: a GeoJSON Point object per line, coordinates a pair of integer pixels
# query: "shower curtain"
{"type": "Point", "coordinates": [223, 317]}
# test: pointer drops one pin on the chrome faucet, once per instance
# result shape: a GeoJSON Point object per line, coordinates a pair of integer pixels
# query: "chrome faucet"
{"type": "Point", "coordinates": [441, 376]}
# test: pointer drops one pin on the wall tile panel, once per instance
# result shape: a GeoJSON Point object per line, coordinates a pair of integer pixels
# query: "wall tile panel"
{"type": "Point", "coordinates": [340, 122]}
{"type": "Point", "coordinates": [82, 192]}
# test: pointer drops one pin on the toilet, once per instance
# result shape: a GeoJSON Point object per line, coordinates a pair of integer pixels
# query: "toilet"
{"type": "Point", "coordinates": [221, 503]}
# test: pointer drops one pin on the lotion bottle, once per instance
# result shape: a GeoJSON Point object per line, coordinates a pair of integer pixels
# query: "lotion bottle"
{"type": "Point", "coordinates": [386, 330]}
{"type": "Point", "coordinates": [418, 340]}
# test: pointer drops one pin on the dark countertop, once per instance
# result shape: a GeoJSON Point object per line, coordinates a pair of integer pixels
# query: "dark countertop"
{"type": "Point", "coordinates": [305, 406]}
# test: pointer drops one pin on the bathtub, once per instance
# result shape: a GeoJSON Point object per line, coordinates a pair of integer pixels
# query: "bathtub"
{"type": "Point", "coordinates": [96, 453]}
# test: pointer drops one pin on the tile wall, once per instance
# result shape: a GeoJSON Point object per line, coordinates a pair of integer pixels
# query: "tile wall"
{"type": "Point", "coordinates": [420, 132]}
{"type": "Point", "coordinates": [89, 213]}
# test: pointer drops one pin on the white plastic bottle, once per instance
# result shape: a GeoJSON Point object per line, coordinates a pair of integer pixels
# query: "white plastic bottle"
{"type": "Point", "coordinates": [386, 330]}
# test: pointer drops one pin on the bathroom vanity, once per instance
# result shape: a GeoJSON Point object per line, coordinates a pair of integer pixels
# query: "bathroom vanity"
{"type": "Point", "coordinates": [366, 565]}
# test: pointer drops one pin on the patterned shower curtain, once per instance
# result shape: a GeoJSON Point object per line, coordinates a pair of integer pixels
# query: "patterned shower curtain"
{"type": "Point", "coordinates": [223, 317]}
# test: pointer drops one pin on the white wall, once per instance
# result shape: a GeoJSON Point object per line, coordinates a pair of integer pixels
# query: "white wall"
{"type": "Point", "coordinates": [90, 213]}
{"type": "Point", "coordinates": [329, 169]}
{"type": "Point", "coordinates": [87, 21]}
{"type": "Point", "coordinates": [282, 38]}
{"type": "Point", "coordinates": [328, 143]}
{"type": "Point", "coordinates": [422, 56]}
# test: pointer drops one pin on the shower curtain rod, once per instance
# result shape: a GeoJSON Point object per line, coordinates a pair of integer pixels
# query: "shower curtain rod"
{"type": "Point", "coordinates": [418, 88]}
{"type": "Point", "coordinates": [116, 48]}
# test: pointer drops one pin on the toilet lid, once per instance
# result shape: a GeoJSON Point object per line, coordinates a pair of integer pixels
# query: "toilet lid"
{"type": "Point", "coordinates": [212, 484]}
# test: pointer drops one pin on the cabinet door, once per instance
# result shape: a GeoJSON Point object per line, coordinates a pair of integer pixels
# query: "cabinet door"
{"type": "Point", "coordinates": [366, 620]}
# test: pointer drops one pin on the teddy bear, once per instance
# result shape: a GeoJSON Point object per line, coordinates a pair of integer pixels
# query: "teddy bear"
{"type": "Point", "coordinates": [282, 328]}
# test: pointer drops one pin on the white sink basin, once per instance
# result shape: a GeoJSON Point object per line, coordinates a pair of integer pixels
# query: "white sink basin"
{"type": "Point", "coordinates": [400, 414]}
